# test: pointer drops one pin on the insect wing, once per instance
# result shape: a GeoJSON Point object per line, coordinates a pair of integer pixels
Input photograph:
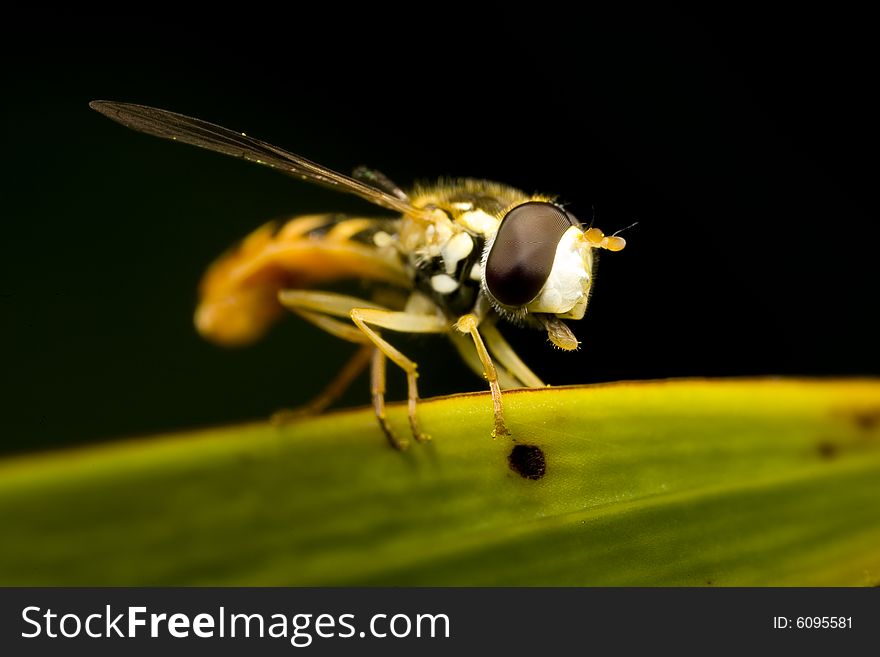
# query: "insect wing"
{"type": "Point", "coordinates": [177, 127]}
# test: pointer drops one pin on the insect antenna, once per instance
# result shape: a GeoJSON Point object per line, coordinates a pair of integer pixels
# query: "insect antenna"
{"type": "Point", "coordinates": [632, 225]}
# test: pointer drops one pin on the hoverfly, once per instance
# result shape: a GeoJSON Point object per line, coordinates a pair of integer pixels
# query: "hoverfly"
{"type": "Point", "coordinates": [461, 256]}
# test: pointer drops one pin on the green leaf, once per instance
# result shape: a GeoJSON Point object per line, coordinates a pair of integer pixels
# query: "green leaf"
{"type": "Point", "coordinates": [726, 482]}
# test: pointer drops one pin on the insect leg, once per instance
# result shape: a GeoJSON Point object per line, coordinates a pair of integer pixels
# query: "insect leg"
{"type": "Point", "coordinates": [320, 308]}
{"type": "Point", "coordinates": [404, 322]}
{"type": "Point", "coordinates": [333, 391]}
{"type": "Point", "coordinates": [334, 327]}
{"type": "Point", "coordinates": [504, 353]}
{"type": "Point", "coordinates": [313, 302]}
{"type": "Point", "coordinates": [367, 353]}
{"type": "Point", "coordinates": [468, 352]}
{"type": "Point", "coordinates": [377, 391]}
{"type": "Point", "coordinates": [468, 324]}
{"type": "Point", "coordinates": [350, 370]}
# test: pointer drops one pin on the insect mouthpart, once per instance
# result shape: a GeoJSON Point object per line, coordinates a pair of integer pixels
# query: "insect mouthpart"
{"type": "Point", "coordinates": [558, 333]}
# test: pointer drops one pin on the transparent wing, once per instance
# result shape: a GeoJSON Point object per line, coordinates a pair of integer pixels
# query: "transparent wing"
{"type": "Point", "coordinates": [177, 127]}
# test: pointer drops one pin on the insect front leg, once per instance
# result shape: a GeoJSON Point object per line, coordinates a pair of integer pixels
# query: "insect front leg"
{"type": "Point", "coordinates": [468, 324]}
{"type": "Point", "coordinates": [468, 352]}
{"type": "Point", "coordinates": [504, 354]}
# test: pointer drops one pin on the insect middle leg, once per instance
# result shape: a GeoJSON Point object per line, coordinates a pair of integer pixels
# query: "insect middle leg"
{"type": "Point", "coordinates": [365, 319]}
{"type": "Point", "coordinates": [320, 308]}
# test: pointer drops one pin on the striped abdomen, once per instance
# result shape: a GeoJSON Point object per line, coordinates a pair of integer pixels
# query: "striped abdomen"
{"type": "Point", "coordinates": [238, 296]}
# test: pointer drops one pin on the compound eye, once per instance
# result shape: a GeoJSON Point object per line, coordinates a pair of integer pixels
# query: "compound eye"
{"type": "Point", "coordinates": [522, 254]}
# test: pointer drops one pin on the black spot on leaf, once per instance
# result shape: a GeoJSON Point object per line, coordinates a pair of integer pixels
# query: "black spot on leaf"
{"type": "Point", "coordinates": [528, 461]}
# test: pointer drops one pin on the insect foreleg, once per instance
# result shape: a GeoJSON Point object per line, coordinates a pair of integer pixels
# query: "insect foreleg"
{"type": "Point", "coordinates": [468, 324]}
{"type": "Point", "coordinates": [508, 358]}
{"type": "Point", "coordinates": [465, 347]}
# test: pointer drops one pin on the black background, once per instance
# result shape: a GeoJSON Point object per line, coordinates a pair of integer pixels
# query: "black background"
{"type": "Point", "coordinates": [744, 145]}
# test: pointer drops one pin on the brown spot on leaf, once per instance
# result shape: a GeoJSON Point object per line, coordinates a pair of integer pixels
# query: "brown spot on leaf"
{"type": "Point", "coordinates": [866, 419]}
{"type": "Point", "coordinates": [528, 461]}
{"type": "Point", "coordinates": [827, 450]}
